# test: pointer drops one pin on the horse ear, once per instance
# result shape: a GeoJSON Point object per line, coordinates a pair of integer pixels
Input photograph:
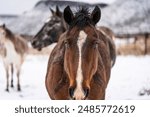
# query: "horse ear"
{"type": "Point", "coordinates": [68, 15]}
{"type": "Point", "coordinates": [58, 12]}
{"type": "Point", "coordinates": [4, 25]}
{"type": "Point", "coordinates": [52, 11]}
{"type": "Point", "coordinates": [96, 15]}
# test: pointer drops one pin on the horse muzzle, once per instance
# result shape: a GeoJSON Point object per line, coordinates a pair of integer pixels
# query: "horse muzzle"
{"type": "Point", "coordinates": [77, 95]}
{"type": "Point", "coordinates": [36, 45]}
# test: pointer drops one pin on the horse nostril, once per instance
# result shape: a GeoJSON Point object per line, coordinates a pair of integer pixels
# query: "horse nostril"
{"type": "Point", "coordinates": [86, 92]}
{"type": "Point", "coordinates": [36, 45]}
{"type": "Point", "coordinates": [33, 43]}
{"type": "Point", "coordinates": [71, 92]}
{"type": "Point", "coordinates": [39, 49]}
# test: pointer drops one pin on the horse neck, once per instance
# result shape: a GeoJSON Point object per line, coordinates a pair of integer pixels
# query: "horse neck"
{"type": "Point", "coordinates": [16, 44]}
{"type": "Point", "coordinates": [8, 41]}
{"type": "Point", "coordinates": [10, 38]}
{"type": "Point", "coordinates": [64, 25]}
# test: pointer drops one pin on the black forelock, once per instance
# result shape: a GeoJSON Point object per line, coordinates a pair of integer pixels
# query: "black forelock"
{"type": "Point", "coordinates": [82, 17]}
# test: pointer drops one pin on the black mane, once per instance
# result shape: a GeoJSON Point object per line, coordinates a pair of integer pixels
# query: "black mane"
{"type": "Point", "coordinates": [9, 34]}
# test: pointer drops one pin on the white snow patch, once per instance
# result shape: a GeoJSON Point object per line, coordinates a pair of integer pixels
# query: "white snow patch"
{"type": "Point", "coordinates": [129, 76]}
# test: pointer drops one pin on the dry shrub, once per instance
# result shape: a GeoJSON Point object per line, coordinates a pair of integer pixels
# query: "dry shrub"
{"type": "Point", "coordinates": [137, 48]}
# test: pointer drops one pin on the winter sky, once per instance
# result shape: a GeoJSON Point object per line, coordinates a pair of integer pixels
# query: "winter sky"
{"type": "Point", "coordinates": [19, 6]}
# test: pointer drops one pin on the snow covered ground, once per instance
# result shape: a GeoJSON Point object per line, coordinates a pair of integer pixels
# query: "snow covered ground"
{"type": "Point", "coordinates": [130, 75]}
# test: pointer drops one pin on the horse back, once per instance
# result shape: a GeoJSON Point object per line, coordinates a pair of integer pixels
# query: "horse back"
{"type": "Point", "coordinates": [109, 36]}
{"type": "Point", "coordinates": [107, 54]}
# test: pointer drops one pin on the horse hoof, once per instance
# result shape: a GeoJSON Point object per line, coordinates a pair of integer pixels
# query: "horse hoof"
{"type": "Point", "coordinates": [7, 90]}
{"type": "Point", "coordinates": [19, 89]}
{"type": "Point", "coordinates": [71, 92]}
{"type": "Point", "coordinates": [86, 92]}
{"type": "Point", "coordinates": [12, 86]}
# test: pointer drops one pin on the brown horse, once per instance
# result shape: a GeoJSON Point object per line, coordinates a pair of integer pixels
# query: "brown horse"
{"type": "Point", "coordinates": [80, 65]}
{"type": "Point", "coordinates": [12, 50]}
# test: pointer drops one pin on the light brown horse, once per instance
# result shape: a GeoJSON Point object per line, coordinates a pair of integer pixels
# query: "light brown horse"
{"type": "Point", "coordinates": [12, 50]}
{"type": "Point", "coordinates": [80, 65]}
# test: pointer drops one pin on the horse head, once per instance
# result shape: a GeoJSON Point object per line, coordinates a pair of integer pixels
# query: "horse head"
{"type": "Point", "coordinates": [81, 50]}
{"type": "Point", "coordinates": [50, 31]}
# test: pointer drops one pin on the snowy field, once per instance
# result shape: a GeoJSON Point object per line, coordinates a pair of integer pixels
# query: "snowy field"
{"type": "Point", "coordinates": [130, 76]}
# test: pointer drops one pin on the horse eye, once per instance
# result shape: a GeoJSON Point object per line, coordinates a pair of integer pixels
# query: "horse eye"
{"type": "Point", "coordinates": [66, 44]}
{"type": "Point", "coordinates": [95, 45]}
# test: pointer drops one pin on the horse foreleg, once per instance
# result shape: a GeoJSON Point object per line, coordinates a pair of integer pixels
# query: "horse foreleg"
{"type": "Point", "coordinates": [7, 78]}
{"type": "Point", "coordinates": [12, 71]}
{"type": "Point", "coordinates": [18, 80]}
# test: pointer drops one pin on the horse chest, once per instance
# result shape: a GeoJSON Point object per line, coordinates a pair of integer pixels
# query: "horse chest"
{"type": "Point", "coordinates": [11, 55]}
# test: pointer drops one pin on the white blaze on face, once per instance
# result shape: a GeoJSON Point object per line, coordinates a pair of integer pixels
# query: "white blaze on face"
{"type": "Point", "coordinates": [78, 93]}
